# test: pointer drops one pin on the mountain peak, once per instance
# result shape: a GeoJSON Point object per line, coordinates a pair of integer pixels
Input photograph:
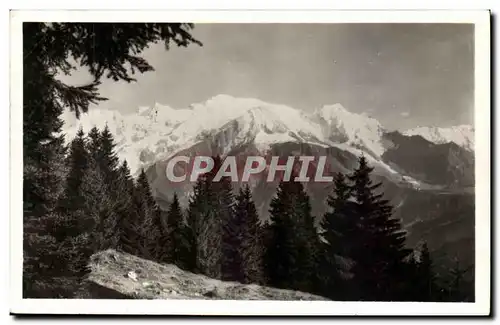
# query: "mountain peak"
{"type": "Point", "coordinates": [358, 130]}
{"type": "Point", "coordinates": [462, 135]}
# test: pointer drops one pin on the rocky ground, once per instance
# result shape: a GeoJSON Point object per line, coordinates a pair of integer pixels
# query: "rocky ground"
{"type": "Point", "coordinates": [120, 275]}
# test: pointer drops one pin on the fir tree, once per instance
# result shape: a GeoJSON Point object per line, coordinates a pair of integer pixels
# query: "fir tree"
{"type": "Point", "coordinates": [211, 237]}
{"type": "Point", "coordinates": [125, 209]}
{"type": "Point", "coordinates": [78, 163]}
{"type": "Point", "coordinates": [107, 165]}
{"type": "Point", "coordinates": [381, 250]}
{"type": "Point", "coordinates": [306, 278]}
{"type": "Point", "coordinates": [229, 227]}
{"type": "Point", "coordinates": [107, 160]}
{"type": "Point", "coordinates": [290, 255]}
{"type": "Point", "coordinates": [178, 240]}
{"type": "Point", "coordinates": [427, 287]}
{"type": "Point", "coordinates": [99, 206]}
{"type": "Point", "coordinates": [210, 207]}
{"type": "Point", "coordinates": [43, 149]}
{"type": "Point", "coordinates": [151, 230]}
{"type": "Point", "coordinates": [339, 235]}
{"type": "Point", "coordinates": [94, 143]}
{"type": "Point", "coordinates": [279, 256]}
{"type": "Point", "coordinates": [197, 207]}
{"type": "Point", "coordinates": [251, 242]}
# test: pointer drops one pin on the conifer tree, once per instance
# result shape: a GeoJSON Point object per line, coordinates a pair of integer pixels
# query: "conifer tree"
{"type": "Point", "coordinates": [98, 205]}
{"type": "Point", "coordinates": [211, 237]}
{"type": "Point", "coordinates": [107, 165]}
{"type": "Point", "coordinates": [290, 255]}
{"type": "Point", "coordinates": [339, 235]}
{"type": "Point", "coordinates": [427, 286]}
{"type": "Point", "coordinates": [210, 208]}
{"type": "Point", "coordinates": [125, 209]}
{"type": "Point", "coordinates": [382, 248]}
{"type": "Point", "coordinates": [94, 143]}
{"type": "Point", "coordinates": [197, 207]}
{"type": "Point", "coordinates": [108, 160]}
{"type": "Point", "coordinates": [229, 227]}
{"type": "Point", "coordinates": [208, 232]}
{"type": "Point", "coordinates": [78, 163]}
{"type": "Point", "coordinates": [152, 229]}
{"type": "Point", "coordinates": [132, 233]}
{"type": "Point", "coordinates": [251, 244]}
{"type": "Point", "coordinates": [43, 149]}
{"type": "Point", "coordinates": [280, 253]}
{"type": "Point", "coordinates": [307, 245]}
{"type": "Point", "coordinates": [178, 240]}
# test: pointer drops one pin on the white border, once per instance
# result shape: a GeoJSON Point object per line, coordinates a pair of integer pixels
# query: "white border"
{"type": "Point", "coordinates": [481, 20]}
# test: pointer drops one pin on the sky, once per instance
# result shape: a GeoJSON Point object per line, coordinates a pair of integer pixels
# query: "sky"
{"type": "Point", "coordinates": [404, 75]}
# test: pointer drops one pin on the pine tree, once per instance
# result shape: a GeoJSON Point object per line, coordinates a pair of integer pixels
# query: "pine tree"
{"type": "Point", "coordinates": [208, 232]}
{"type": "Point", "coordinates": [251, 243]}
{"type": "Point", "coordinates": [229, 228]}
{"type": "Point", "coordinates": [279, 256]}
{"type": "Point", "coordinates": [108, 160]}
{"type": "Point", "coordinates": [43, 149]}
{"type": "Point", "coordinates": [211, 238]}
{"type": "Point", "coordinates": [381, 250]}
{"type": "Point", "coordinates": [210, 208]}
{"type": "Point", "coordinates": [198, 205]}
{"type": "Point", "coordinates": [151, 229]}
{"type": "Point", "coordinates": [107, 165]}
{"type": "Point", "coordinates": [306, 278]}
{"type": "Point", "coordinates": [94, 143]}
{"type": "Point", "coordinates": [427, 286]}
{"type": "Point", "coordinates": [290, 258]}
{"type": "Point", "coordinates": [339, 234]}
{"type": "Point", "coordinates": [78, 163]}
{"type": "Point", "coordinates": [99, 206]}
{"type": "Point", "coordinates": [178, 240]}
{"type": "Point", "coordinates": [125, 209]}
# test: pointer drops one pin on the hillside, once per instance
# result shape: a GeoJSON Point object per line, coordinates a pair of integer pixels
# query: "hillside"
{"type": "Point", "coordinates": [111, 278]}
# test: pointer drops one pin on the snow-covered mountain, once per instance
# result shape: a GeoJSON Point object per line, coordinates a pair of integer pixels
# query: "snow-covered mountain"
{"type": "Point", "coordinates": [358, 130]}
{"type": "Point", "coordinates": [462, 135]}
{"type": "Point", "coordinates": [152, 134]}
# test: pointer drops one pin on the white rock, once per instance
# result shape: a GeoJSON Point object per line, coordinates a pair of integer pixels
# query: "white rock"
{"type": "Point", "coordinates": [132, 275]}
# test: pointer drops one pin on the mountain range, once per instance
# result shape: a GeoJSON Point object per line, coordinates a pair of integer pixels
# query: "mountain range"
{"type": "Point", "coordinates": [427, 172]}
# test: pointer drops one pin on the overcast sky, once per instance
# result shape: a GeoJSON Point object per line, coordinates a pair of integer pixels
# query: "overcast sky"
{"type": "Point", "coordinates": [405, 75]}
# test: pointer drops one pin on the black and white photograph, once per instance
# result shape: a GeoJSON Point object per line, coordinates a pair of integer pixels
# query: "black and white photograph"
{"type": "Point", "coordinates": [313, 164]}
